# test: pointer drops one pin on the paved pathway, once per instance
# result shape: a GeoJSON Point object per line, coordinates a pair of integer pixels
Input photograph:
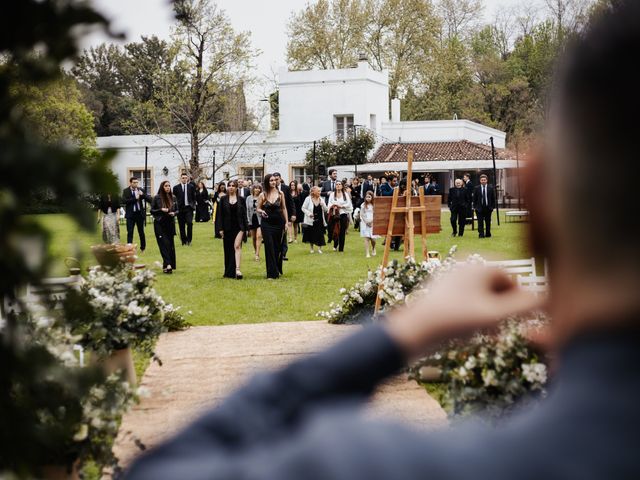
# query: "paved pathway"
{"type": "Point", "coordinates": [203, 364]}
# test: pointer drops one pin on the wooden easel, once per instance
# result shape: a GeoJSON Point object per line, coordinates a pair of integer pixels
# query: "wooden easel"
{"type": "Point", "coordinates": [407, 211]}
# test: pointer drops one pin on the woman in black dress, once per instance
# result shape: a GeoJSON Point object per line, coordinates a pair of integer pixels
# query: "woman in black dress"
{"type": "Point", "coordinates": [231, 224]}
{"type": "Point", "coordinates": [202, 203]}
{"type": "Point", "coordinates": [273, 210]}
{"type": "Point", "coordinates": [297, 204]}
{"type": "Point", "coordinates": [254, 219]}
{"type": "Point", "coordinates": [314, 210]}
{"type": "Point", "coordinates": [163, 210]}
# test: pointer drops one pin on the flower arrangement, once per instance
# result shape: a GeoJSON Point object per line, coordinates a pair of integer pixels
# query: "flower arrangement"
{"type": "Point", "coordinates": [400, 279]}
{"type": "Point", "coordinates": [489, 374]}
{"type": "Point", "coordinates": [173, 320]}
{"type": "Point", "coordinates": [117, 308]}
{"type": "Point", "coordinates": [66, 413]}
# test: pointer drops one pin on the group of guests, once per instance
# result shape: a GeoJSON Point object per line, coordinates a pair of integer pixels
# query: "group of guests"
{"type": "Point", "coordinates": [273, 214]}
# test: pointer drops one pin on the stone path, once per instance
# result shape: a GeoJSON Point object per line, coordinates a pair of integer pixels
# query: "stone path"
{"type": "Point", "coordinates": [203, 364]}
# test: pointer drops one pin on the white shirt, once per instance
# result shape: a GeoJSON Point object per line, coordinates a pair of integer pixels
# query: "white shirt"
{"type": "Point", "coordinates": [484, 194]}
{"type": "Point", "coordinates": [186, 199]}
{"type": "Point", "coordinates": [343, 203]}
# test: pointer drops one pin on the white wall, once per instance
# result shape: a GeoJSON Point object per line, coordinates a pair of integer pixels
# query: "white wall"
{"type": "Point", "coordinates": [310, 100]}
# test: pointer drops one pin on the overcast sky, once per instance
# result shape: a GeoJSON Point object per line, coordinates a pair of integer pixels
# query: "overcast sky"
{"type": "Point", "coordinates": [266, 20]}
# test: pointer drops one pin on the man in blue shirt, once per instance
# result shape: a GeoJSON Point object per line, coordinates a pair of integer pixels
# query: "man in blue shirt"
{"type": "Point", "coordinates": [304, 421]}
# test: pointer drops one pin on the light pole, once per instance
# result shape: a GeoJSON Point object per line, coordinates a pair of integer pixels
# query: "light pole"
{"type": "Point", "coordinates": [355, 141]}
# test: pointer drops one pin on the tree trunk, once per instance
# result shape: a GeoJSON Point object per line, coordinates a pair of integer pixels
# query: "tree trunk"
{"type": "Point", "coordinates": [194, 161]}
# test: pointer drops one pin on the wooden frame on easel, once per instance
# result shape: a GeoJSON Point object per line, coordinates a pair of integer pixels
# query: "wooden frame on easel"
{"type": "Point", "coordinates": [397, 216]}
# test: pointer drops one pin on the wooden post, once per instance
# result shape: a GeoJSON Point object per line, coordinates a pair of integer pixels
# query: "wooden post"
{"type": "Point", "coordinates": [423, 224]}
{"type": "Point", "coordinates": [387, 245]}
{"type": "Point", "coordinates": [408, 211]}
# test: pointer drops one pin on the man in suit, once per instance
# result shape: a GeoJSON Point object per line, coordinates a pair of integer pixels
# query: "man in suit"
{"type": "Point", "coordinates": [484, 202]}
{"type": "Point", "coordinates": [185, 193]}
{"type": "Point", "coordinates": [135, 201]}
{"type": "Point", "coordinates": [367, 186]}
{"type": "Point", "coordinates": [432, 187]}
{"type": "Point", "coordinates": [458, 206]}
{"type": "Point", "coordinates": [243, 189]}
{"type": "Point", "coordinates": [386, 188]}
{"type": "Point", "coordinates": [468, 186]}
{"type": "Point", "coordinates": [583, 429]}
{"type": "Point", "coordinates": [291, 211]}
{"type": "Point", "coordinates": [329, 185]}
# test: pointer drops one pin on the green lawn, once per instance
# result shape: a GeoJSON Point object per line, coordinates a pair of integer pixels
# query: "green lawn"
{"type": "Point", "coordinates": [310, 282]}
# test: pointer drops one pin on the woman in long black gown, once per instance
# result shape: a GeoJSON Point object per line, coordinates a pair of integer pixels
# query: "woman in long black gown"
{"type": "Point", "coordinates": [273, 209]}
{"type": "Point", "coordinates": [202, 203]}
{"type": "Point", "coordinates": [231, 224]}
{"type": "Point", "coordinates": [163, 210]}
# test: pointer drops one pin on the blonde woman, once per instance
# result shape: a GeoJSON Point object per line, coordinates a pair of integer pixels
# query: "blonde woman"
{"type": "Point", "coordinates": [366, 225]}
{"type": "Point", "coordinates": [314, 224]}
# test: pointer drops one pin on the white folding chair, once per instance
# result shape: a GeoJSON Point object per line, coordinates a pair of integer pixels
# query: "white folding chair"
{"type": "Point", "coordinates": [526, 266]}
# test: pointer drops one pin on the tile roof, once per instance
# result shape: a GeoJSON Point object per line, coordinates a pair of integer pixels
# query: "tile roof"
{"type": "Point", "coordinates": [437, 151]}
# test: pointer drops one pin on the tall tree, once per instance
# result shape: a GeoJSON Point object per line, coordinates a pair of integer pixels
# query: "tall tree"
{"type": "Point", "coordinates": [327, 34]}
{"type": "Point", "coordinates": [460, 17]}
{"type": "Point", "coordinates": [98, 71]}
{"type": "Point", "coordinates": [400, 36]}
{"type": "Point", "coordinates": [212, 58]}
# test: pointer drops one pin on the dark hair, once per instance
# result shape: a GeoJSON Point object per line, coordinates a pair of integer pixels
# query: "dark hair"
{"type": "Point", "coordinates": [484, 175]}
{"type": "Point", "coordinates": [467, 174]}
{"type": "Point", "coordinates": [184, 174]}
{"type": "Point", "coordinates": [331, 170]}
{"type": "Point", "coordinates": [221, 185]}
{"type": "Point", "coordinates": [133, 178]}
{"type": "Point", "coordinates": [265, 184]}
{"type": "Point", "coordinates": [234, 182]}
{"type": "Point", "coordinates": [276, 174]}
{"type": "Point", "coordinates": [254, 186]}
{"type": "Point", "coordinates": [167, 198]}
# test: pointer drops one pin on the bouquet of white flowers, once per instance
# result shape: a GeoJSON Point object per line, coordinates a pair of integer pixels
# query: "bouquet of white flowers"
{"type": "Point", "coordinates": [117, 308]}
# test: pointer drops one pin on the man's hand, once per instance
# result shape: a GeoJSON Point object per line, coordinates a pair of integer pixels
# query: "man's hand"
{"type": "Point", "coordinates": [468, 299]}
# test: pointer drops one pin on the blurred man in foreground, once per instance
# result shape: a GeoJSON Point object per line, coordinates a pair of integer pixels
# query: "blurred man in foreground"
{"type": "Point", "coordinates": [303, 422]}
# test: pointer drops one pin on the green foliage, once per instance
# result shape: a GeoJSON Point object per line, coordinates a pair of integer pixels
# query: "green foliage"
{"type": "Point", "coordinates": [42, 398]}
{"type": "Point", "coordinates": [352, 150]}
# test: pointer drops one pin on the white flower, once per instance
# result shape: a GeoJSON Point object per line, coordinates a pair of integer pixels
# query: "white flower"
{"type": "Point", "coordinates": [343, 290]}
{"type": "Point", "coordinates": [462, 372]}
{"type": "Point", "coordinates": [82, 433]}
{"type": "Point", "coordinates": [534, 373]}
{"type": "Point", "coordinates": [471, 363]}
{"type": "Point", "coordinates": [489, 378]}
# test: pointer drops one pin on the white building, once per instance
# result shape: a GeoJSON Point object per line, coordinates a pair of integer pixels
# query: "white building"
{"type": "Point", "coordinates": [313, 105]}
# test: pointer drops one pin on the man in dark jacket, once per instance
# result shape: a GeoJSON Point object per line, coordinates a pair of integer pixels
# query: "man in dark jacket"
{"type": "Point", "coordinates": [468, 186]}
{"type": "Point", "coordinates": [135, 210]}
{"type": "Point", "coordinates": [329, 185]}
{"type": "Point", "coordinates": [185, 193]}
{"type": "Point", "coordinates": [458, 206]}
{"type": "Point", "coordinates": [304, 421]}
{"type": "Point", "coordinates": [484, 202]}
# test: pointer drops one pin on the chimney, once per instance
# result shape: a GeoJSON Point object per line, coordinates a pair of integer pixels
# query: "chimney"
{"type": "Point", "coordinates": [363, 60]}
{"type": "Point", "coordinates": [395, 110]}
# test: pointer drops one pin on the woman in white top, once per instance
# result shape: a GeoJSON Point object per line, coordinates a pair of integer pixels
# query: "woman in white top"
{"type": "Point", "coordinates": [340, 208]}
{"type": "Point", "coordinates": [366, 224]}
{"type": "Point", "coordinates": [314, 224]}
